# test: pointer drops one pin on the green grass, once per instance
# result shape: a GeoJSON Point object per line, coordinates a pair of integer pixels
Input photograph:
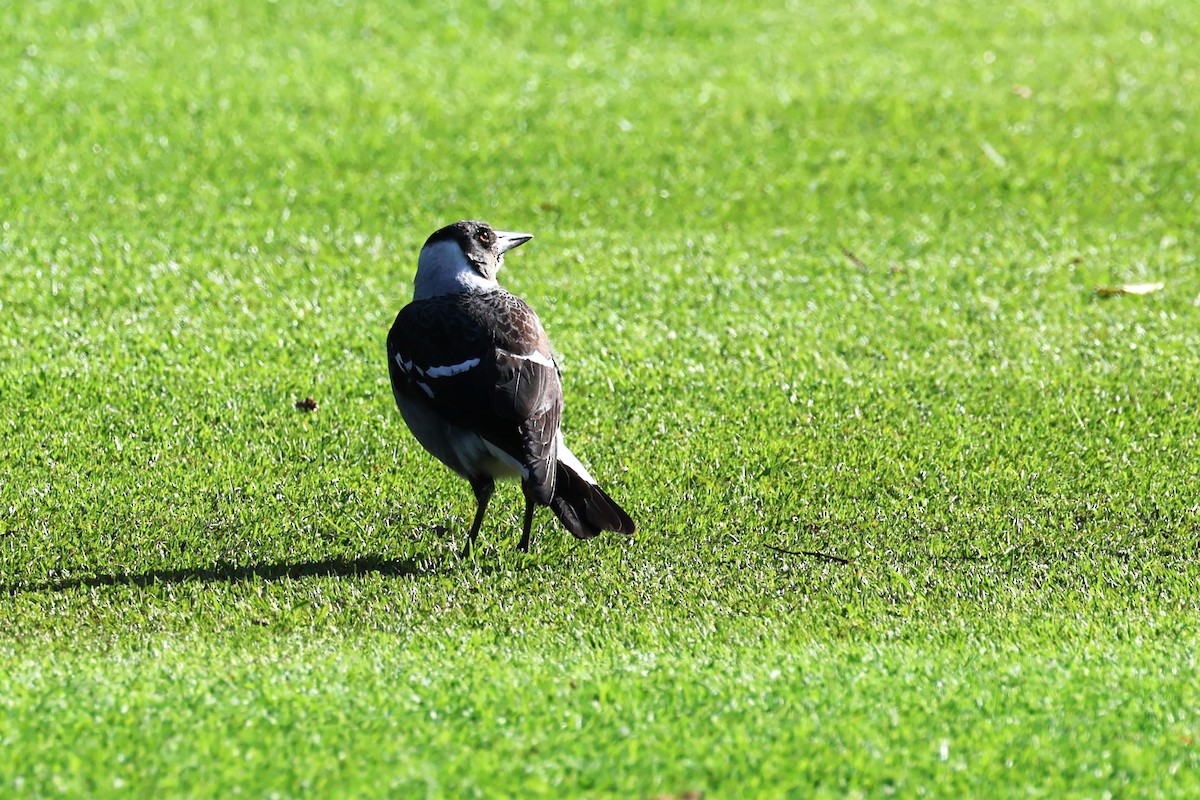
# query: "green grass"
{"type": "Point", "coordinates": [210, 212]}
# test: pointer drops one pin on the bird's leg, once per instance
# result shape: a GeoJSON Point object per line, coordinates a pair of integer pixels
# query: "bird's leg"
{"type": "Point", "coordinates": [530, 507]}
{"type": "Point", "coordinates": [483, 488]}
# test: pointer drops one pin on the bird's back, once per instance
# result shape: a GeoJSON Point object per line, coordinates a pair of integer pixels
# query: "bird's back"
{"type": "Point", "coordinates": [480, 361]}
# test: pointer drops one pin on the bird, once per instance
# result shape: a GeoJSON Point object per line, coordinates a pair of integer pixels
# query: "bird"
{"type": "Point", "coordinates": [480, 388]}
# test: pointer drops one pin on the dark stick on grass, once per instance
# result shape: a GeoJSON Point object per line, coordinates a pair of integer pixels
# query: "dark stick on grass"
{"type": "Point", "coordinates": [810, 554]}
{"type": "Point", "coordinates": [855, 260]}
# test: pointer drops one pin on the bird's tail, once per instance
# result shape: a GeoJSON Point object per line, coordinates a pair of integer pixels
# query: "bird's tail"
{"type": "Point", "coordinates": [581, 505]}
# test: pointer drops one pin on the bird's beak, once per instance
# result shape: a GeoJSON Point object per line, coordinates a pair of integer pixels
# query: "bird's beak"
{"type": "Point", "coordinates": [508, 240]}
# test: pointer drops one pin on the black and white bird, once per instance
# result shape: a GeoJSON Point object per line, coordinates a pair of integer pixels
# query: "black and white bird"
{"type": "Point", "coordinates": [478, 385]}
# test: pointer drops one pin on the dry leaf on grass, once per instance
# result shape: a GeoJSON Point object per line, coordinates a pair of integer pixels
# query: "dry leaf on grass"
{"type": "Point", "coordinates": [1129, 288]}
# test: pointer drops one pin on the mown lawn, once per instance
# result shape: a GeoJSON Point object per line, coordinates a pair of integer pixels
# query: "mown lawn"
{"type": "Point", "coordinates": [823, 280]}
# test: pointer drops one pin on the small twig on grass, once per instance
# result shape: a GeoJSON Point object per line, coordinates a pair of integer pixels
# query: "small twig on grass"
{"type": "Point", "coordinates": [855, 260]}
{"type": "Point", "coordinates": [810, 554]}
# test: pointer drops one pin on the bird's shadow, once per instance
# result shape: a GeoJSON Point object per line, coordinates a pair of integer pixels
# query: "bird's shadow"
{"type": "Point", "coordinates": [224, 572]}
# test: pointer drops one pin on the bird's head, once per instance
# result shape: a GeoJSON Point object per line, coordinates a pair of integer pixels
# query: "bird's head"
{"type": "Point", "coordinates": [463, 257]}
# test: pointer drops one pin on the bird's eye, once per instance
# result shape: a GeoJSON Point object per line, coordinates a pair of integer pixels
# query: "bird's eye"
{"type": "Point", "coordinates": [486, 237]}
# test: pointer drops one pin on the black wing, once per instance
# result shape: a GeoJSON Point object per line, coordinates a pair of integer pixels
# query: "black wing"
{"type": "Point", "coordinates": [483, 362]}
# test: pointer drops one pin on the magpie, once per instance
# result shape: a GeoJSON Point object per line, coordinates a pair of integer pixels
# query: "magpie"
{"type": "Point", "coordinates": [479, 387]}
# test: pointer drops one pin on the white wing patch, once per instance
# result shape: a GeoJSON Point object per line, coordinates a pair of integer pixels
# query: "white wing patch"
{"type": "Point", "coordinates": [436, 372]}
{"type": "Point", "coordinates": [453, 369]}
{"type": "Point", "coordinates": [536, 358]}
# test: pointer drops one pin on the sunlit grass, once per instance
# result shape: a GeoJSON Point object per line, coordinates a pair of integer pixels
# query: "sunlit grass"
{"type": "Point", "coordinates": [822, 279]}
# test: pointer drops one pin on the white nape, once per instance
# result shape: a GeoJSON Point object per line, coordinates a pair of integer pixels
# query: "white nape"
{"type": "Point", "coordinates": [443, 269]}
